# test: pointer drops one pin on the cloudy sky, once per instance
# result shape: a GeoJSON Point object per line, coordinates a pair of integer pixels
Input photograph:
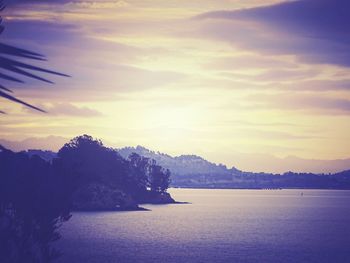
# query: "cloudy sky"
{"type": "Point", "coordinates": [214, 78]}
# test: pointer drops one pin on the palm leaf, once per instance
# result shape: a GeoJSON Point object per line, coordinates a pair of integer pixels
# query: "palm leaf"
{"type": "Point", "coordinates": [9, 63]}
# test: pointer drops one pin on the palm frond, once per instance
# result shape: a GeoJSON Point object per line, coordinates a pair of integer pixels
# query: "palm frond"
{"type": "Point", "coordinates": [11, 65]}
{"type": "Point", "coordinates": [10, 50]}
{"type": "Point", "coordinates": [9, 97]}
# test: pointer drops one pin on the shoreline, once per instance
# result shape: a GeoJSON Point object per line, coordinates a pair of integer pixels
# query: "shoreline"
{"type": "Point", "coordinates": [230, 188]}
{"type": "Point", "coordinates": [139, 208]}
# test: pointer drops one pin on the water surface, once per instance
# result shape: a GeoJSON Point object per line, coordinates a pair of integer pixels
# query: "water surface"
{"type": "Point", "coordinates": [219, 226]}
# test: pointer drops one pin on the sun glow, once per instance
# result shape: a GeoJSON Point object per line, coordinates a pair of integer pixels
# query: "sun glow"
{"type": "Point", "coordinates": [171, 123]}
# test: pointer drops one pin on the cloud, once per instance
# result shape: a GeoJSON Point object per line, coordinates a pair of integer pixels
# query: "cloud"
{"type": "Point", "coordinates": [68, 109]}
{"type": "Point", "coordinates": [317, 85]}
{"type": "Point", "coordinates": [285, 75]}
{"type": "Point", "coordinates": [84, 2]}
{"type": "Point", "coordinates": [251, 61]}
{"type": "Point", "coordinates": [99, 68]}
{"type": "Point", "coordinates": [40, 31]}
{"type": "Point", "coordinates": [16, 2]}
{"type": "Point", "coordinates": [306, 102]}
{"type": "Point", "coordinates": [102, 4]}
{"type": "Point", "coordinates": [270, 134]}
{"type": "Point", "coordinates": [316, 31]}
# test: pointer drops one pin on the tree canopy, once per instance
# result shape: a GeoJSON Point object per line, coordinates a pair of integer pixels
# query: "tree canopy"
{"type": "Point", "coordinates": [35, 198]}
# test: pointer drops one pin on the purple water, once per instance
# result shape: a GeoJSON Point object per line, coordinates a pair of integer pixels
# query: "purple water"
{"type": "Point", "coordinates": [219, 226]}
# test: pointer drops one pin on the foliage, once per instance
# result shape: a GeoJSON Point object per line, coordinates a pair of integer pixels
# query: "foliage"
{"type": "Point", "coordinates": [8, 64]}
{"type": "Point", "coordinates": [90, 161]}
{"type": "Point", "coordinates": [159, 178]}
{"type": "Point", "coordinates": [34, 201]}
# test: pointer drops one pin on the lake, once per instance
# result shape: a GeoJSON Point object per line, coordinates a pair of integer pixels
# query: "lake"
{"type": "Point", "coordinates": [218, 226]}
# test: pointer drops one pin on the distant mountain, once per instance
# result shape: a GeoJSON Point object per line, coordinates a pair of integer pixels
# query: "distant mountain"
{"type": "Point", "coordinates": [194, 171]}
{"type": "Point", "coordinates": [179, 165]}
{"type": "Point", "coordinates": [53, 143]}
{"type": "Point", "coordinates": [259, 162]}
{"type": "Point", "coordinates": [253, 162]}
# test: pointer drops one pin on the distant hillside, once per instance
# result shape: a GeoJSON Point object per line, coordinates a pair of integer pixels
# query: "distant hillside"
{"type": "Point", "coordinates": [52, 143]}
{"type": "Point", "coordinates": [180, 165]}
{"type": "Point", "coordinates": [194, 171]}
{"type": "Point", "coordinates": [45, 155]}
{"type": "Point", "coordinates": [253, 162]}
{"type": "Point", "coordinates": [268, 163]}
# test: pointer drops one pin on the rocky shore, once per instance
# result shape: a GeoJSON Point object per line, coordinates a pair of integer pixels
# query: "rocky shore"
{"type": "Point", "coordinates": [99, 197]}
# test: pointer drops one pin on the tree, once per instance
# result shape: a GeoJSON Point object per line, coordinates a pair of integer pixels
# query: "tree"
{"type": "Point", "coordinates": [89, 160]}
{"type": "Point", "coordinates": [139, 167]}
{"type": "Point", "coordinates": [159, 178]}
{"type": "Point", "coordinates": [35, 200]}
{"type": "Point", "coordinates": [104, 180]}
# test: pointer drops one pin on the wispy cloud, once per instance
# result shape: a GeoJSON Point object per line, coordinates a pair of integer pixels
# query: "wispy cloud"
{"type": "Point", "coordinates": [68, 109]}
{"type": "Point", "coordinates": [314, 104]}
{"type": "Point", "coordinates": [316, 31]}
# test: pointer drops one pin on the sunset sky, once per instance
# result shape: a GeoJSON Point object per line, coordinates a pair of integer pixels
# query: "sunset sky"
{"type": "Point", "coordinates": [214, 78]}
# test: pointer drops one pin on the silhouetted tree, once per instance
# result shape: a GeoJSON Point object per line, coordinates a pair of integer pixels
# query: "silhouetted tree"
{"type": "Point", "coordinates": [159, 178]}
{"type": "Point", "coordinates": [35, 198]}
{"type": "Point", "coordinates": [139, 169]}
{"type": "Point", "coordinates": [89, 160]}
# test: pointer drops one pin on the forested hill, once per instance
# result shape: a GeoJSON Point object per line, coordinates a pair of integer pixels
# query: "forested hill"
{"type": "Point", "coordinates": [180, 165]}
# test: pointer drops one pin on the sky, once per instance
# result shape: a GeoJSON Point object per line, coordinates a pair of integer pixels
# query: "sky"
{"type": "Point", "coordinates": [212, 78]}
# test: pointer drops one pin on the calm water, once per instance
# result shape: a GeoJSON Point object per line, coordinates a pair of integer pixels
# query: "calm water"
{"type": "Point", "coordinates": [219, 226]}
